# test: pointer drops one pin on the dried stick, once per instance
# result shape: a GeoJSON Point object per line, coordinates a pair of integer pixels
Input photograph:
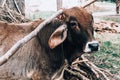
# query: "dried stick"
{"type": "Point", "coordinates": [86, 62]}
{"type": "Point", "coordinates": [106, 71]}
{"type": "Point", "coordinates": [10, 13]}
{"type": "Point", "coordinates": [17, 6]}
{"type": "Point", "coordinates": [78, 75]}
{"type": "Point", "coordinates": [80, 61]}
{"type": "Point", "coordinates": [95, 67]}
{"type": "Point", "coordinates": [12, 51]}
{"type": "Point", "coordinates": [75, 66]}
{"type": "Point", "coordinates": [89, 2]}
{"type": "Point", "coordinates": [79, 70]}
{"type": "Point", "coordinates": [4, 1]}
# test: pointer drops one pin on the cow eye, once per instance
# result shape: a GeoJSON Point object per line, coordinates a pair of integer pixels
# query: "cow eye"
{"type": "Point", "coordinates": [74, 25]}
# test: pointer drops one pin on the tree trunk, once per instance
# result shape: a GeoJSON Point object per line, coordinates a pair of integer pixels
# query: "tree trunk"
{"type": "Point", "coordinates": [59, 4]}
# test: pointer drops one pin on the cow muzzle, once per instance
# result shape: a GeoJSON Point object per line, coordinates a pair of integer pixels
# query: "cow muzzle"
{"type": "Point", "coordinates": [92, 46]}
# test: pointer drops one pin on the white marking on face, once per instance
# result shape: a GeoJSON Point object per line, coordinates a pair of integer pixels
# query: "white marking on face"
{"type": "Point", "coordinates": [87, 48]}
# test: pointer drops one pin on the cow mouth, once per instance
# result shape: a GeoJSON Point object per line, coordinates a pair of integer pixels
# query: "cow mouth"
{"type": "Point", "coordinates": [91, 47]}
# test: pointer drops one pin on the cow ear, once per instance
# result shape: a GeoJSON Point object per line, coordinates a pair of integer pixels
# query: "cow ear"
{"type": "Point", "coordinates": [58, 36]}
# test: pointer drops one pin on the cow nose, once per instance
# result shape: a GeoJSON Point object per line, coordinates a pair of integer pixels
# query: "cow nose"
{"type": "Point", "coordinates": [93, 46]}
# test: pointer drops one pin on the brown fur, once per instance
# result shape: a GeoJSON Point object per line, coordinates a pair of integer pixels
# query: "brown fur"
{"type": "Point", "coordinates": [32, 60]}
{"type": "Point", "coordinates": [10, 33]}
{"type": "Point", "coordinates": [84, 18]}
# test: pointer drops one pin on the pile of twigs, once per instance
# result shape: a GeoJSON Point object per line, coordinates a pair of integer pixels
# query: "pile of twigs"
{"type": "Point", "coordinates": [11, 15]}
{"type": "Point", "coordinates": [84, 69]}
{"type": "Point", "coordinates": [8, 15]}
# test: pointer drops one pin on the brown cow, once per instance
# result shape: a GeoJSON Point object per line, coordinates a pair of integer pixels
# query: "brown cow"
{"type": "Point", "coordinates": [81, 32]}
{"type": "Point", "coordinates": [117, 6]}
{"type": "Point", "coordinates": [43, 57]}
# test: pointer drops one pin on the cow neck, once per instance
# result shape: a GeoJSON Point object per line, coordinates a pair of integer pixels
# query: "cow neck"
{"type": "Point", "coordinates": [53, 57]}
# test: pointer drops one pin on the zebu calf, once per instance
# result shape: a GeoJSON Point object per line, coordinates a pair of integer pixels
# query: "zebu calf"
{"type": "Point", "coordinates": [43, 57]}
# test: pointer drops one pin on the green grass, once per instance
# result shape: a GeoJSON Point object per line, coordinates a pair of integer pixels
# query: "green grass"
{"type": "Point", "coordinates": [109, 55]}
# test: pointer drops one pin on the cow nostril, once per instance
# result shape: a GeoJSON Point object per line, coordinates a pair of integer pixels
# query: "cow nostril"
{"type": "Point", "coordinates": [93, 46]}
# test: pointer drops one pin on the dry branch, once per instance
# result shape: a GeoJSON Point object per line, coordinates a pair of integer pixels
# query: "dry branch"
{"type": "Point", "coordinates": [3, 3]}
{"type": "Point", "coordinates": [76, 74]}
{"type": "Point", "coordinates": [89, 2]}
{"type": "Point", "coordinates": [17, 7]}
{"type": "Point", "coordinates": [105, 71]}
{"type": "Point", "coordinates": [10, 14]}
{"type": "Point", "coordinates": [76, 62]}
{"type": "Point", "coordinates": [95, 68]}
{"type": "Point", "coordinates": [12, 51]}
{"type": "Point", "coordinates": [90, 66]}
{"type": "Point", "coordinates": [89, 70]}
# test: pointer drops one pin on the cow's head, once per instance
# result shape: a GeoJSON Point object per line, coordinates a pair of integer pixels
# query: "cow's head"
{"type": "Point", "coordinates": [80, 29]}
{"type": "Point", "coordinates": [76, 34]}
